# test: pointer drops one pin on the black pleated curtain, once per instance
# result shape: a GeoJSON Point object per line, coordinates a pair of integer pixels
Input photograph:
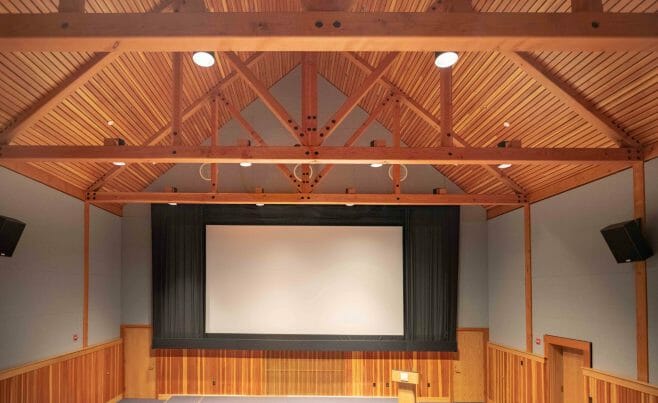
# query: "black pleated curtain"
{"type": "Point", "coordinates": [431, 251]}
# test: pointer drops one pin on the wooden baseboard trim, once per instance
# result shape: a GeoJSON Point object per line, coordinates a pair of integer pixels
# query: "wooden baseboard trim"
{"type": "Point", "coordinates": [116, 399]}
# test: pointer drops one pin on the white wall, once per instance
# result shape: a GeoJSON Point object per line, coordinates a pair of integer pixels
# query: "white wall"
{"type": "Point", "coordinates": [41, 285]}
{"type": "Point", "coordinates": [233, 178]}
{"type": "Point", "coordinates": [579, 291]}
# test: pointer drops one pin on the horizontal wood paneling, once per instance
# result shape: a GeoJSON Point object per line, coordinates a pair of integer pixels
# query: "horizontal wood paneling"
{"type": "Point", "coordinates": [94, 374]}
{"type": "Point", "coordinates": [514, 376]}
{"type": "Point", "coordinates": [606, 388]}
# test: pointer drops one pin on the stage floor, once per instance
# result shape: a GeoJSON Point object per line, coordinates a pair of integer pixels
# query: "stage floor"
{"type": "Point", "coordinates": [279, 399]}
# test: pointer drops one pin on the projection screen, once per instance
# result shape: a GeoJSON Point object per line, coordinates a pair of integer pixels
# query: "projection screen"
{"type": "Point", "coordinates": [306, 280]}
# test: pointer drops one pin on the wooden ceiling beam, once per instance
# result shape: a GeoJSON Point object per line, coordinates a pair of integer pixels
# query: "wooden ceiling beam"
{"type": "Point", "coordinates": [71, 6]}
{"type": "Point", "coordinates": [187, 113]}
{"type": "Point", "coordinates": [353, 100]}
{"type": "Point", "coordinates": [320, 155]}
{"type": "Point", "coordinates": [329, 31]}
{"type": "Point", "coordinates": [304, 198]}
{"type": "Point", "coordinates": [176, 104]}
{"type": "Point", "coordinates": [326, 5]}
{"type": "Point", "coordinates": [264, 94]}
{"type": "Point", "coordinates": [430, 119]}
{"type": "Point", "coordinates": [570, 97]}
{"type": "Point", "coordinates": [586, 6]}
{"type": "Point", "coordinates": [446, 106]}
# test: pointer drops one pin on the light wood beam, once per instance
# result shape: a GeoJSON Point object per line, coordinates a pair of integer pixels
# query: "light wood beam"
{"type": "Point", "coordinates": [397, 142]}
{"type": "Point", "coordinates": [329, 32]}
{"type": "Point", "coordinates": [319, 155]}
{"type": "Point", "coordinates": [430, 119]}
{"type": "Point", "coordinates": [264, 94]}
{"type": "Point", "coordinates": [71, 6]}
{"type": "Point", "coordinates": [187, 113]}
{"type": "Point", "coordinates": [355, 136]}
{"type": "Point", "coordinates": [303, 198]}
{"type": "Point", "coordinates": [85, 277]}
{"type": "Point", "coordinates": [451, 6]}
{"type": "Point", "coordinates": [446, 106]}
{"type": "Point", "coordinates": [251, 131]}
{"type": "Point", "coordinates": [177, 94]}
{"type": "Point", "coordinates": [586, 6]}
{"type": "Point", "coordinates": [214, 132]}
{"type": "Point", "coordinates": [353, 100]}
{"type": "Point", "coordinates": [527, 244]}
{"type": "Point", "coordinates": [309, 98]}
{"type": "Point", "coordinates": [570, 97]}
{"type": "Point", "coordinates": [326, 5]}
{"type": "Point", "coordinates": [642, 327]}
{"type": "Point", "coordinates": [54, 97]}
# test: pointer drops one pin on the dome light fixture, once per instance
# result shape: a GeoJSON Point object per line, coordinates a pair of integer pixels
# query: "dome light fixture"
{"type": "Point", "coordinates": [119, 163]}
{"type": "Point", "coordinates": [445, 59]}
{"type": "Point", "coordinates": [260, 204]}
{"type": "Point", "coordinates": [245, 164]}
{"type": "Point", "coordinates": [504, 165]}
{"type": "Point", "coordinates": [203, 58]}
{"type": "Point", "coordinates": [376, 165]}
{"type": "Point", "coordinates": [172, 204]}
{"type": "Point", "coordinates": [349, 204]}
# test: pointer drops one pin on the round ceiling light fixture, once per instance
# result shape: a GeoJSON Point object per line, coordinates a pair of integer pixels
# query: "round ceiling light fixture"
{"type": "Point", "coordinates": [245, 164]}
{"type": "Point", "coordinates": [119, 163]}
{"type": "Point", "coordinates": [504, 165]}
{"type": "Point", "coordinates": [203, 58]}
{"type": "Point", "coordinates": [445, 59]}
{"type": "Point", "coordinates": [376, 165]}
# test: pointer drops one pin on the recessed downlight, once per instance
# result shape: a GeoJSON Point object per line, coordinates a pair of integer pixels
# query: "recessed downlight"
{"type": "Point", "coordinates": [506, 124]}
{"type": "Point", "coordinates": [110, 122]}
{"type": "Point", "coordinates": [203, 58]}
{"type": "Point", "coordinates": [445, 59]}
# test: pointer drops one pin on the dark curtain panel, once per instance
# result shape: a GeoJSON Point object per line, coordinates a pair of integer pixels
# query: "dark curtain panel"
{"type": "Point", "coordinates": [178, 271]}
{"type": "Point", "coordinates": [431, 251]}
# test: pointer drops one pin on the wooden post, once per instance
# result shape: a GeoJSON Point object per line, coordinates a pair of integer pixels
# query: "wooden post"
{"type": "Point", "coordinates": [85, 278]}
{"type": "Point", "coordinates": [214, 128]}
{"type": "Point", "coordinates": [177, 92]}
{"type": "Point", "coordinates": [639, 204]}
{"type": "Point", "coordinates": [528, 276]}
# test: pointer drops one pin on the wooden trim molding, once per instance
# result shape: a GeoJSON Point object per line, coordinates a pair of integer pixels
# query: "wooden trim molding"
{"type": "Point", "coordinates": [527, 244]}
{"type": "Point", "coordinates": [639, 386]}
{"type": "Point", "coordinates": [582, 345]}
{"type": "Point", "coordinates": [85, 277]}
{"type": "Point", "coordinates": [641, 298]}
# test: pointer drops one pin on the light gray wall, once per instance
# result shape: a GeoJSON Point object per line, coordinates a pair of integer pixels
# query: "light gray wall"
{"type": "Point", "coordinates": [41, 285]}
{"type": "Point", "coordinates": [506, 279]}
{"type": "Point", "coordinates": [233, 178]}
{"type": "Point", "coordinates": [579, 291]}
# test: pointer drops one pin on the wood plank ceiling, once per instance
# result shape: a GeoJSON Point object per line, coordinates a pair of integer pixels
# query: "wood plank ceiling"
{"type": "Point", "coordinates": [133, 92]}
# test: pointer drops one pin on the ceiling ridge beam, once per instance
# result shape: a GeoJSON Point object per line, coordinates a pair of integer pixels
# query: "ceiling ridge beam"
{"type": "Point", "coordinates": [429, 118]}
{"type": "Point", "coordinates": [265, 95]}
{"type": "Point", "coordinates": [164, 131]}
{"type": "Point", "coordinates": [328, 31]}
{"type": "Point", "coordinates": [321, 154]}
{"type": "Point", "coordinates": [571, 98]}
{"type": "Point", "coordinates": [353, 99]}
{"type": "Point", "coordinates": [305, 198]}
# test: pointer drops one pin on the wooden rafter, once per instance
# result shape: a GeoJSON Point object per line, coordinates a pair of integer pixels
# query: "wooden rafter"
{"type": "Point", "coordinates": [353, 100]}
{"type": "Point", "coordinates": [446, 106]}
{"type": "Point", "coordinates": [177, 95]}
{"type": "Point", "coordinates": [251, 131]}
{"type": "Point", "coordinates": [319, 155]}
{"type": "Point", "coordinates": [309, 98]}
{"type": "Point", "coordinates": [587, 6]}
{"type": "Point", "coordinates": [570, 97]}
{"type": "Point", "coordinates": [264, 94]}
{"type": "Point", "coordinates": [303, 198]}
{"type": "Point", "coordinates": [71, 6]}
{"type": "Point", "coordinates": [372, 117]}
{"type": "Point", "coordinates": [329, 31]}
{"type": "Point", "coordinates": [214, 132]}
{"type": "Point", "coordinates": [396, 134]}
{"type": "Point", "coordinates": [187, 112]}
{"type": "Point", "coordinates": [326, 5]}
{"type": "Point", "coordinates": [429, 118]}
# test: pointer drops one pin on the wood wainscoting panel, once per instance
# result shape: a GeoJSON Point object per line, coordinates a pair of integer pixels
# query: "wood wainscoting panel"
{"type": "Point", "coordinates": [91, 375]}
{"type": "Point", "coordinates": [602, 387]}
{"type": "Point", "coordinates": [139, 363]}
{"type": "Point", "coordinates": [514, 376]}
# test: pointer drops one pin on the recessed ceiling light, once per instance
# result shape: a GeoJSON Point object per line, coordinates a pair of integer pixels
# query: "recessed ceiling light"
{"type": "Point", "coordinates": [110, 122]}
{"type": "Point", "coordinates": [260, 204]}
{"type": "Point", "coordinates": [172, 204]}
{"type": "Point", "coordinates": [349, 204]}
{"type": "Point", "coordinates": [376, 165]}
{"type": "Point", "coordinates": [506, 124]}
{"type": "Point", "coordinates": [504, 166]}
{"type": "Point", "coordinates": [119, 163]}
{"type": "Point", "coordinates": [245, 164]}
{"type": "Point", "coordinates": [203, 58]}
{"type": "Point", "coordinates": [445, 59]}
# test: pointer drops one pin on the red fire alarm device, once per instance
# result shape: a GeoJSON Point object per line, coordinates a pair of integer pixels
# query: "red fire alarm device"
{"type": "Point", "coordinates": [538, 341]}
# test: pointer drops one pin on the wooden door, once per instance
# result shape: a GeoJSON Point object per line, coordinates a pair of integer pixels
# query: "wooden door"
{"type": "Point", "coordinates": [572, 378]}
{"type": "Point", "coordinates": [139, 364]}
{"type": "Point", "coordinates": [468, 368]}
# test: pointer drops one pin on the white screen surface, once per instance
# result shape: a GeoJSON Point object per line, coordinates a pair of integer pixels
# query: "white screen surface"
{"type": "Point", "coordinates": [331, 280]}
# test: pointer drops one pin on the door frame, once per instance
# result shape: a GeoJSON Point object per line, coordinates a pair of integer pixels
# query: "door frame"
{"type": "Point", "coordinates": [551, 343]}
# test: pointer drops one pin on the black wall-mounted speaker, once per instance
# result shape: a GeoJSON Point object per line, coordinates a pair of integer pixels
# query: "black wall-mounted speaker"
{"type": "Point", "coordinates": [626, 242]}
{"type": "Point", "coordinates": [10, 233]}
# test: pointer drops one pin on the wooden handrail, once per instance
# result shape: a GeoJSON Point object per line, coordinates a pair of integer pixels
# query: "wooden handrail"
{"type": "Point", "coordinates": [639, 386]}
